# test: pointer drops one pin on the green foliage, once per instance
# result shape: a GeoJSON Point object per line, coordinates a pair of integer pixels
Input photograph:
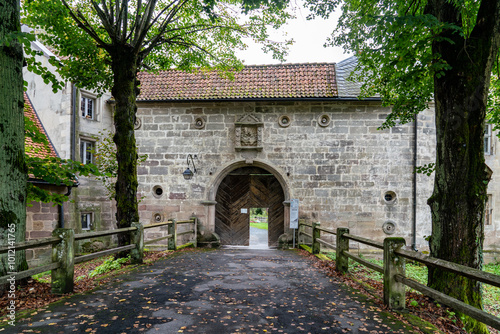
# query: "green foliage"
{"type": "Point", "coordinates": [79, 278]}
{"type": "Point", "coordinates": [393, 42]}
{"type": "Point", "coordinates": [418, 272]}
{"type": "Point", "coordinates": [43, 277]}
{"type": "Point", "coordinates": [493, 115]}
{"type": "Point", "coordinates": [426, 169]}
{"type": "Point", "coordinates": [331, 255]}
{"type": "Point", "coordinates": [109, 265]}
{"type": "Point", "coordinates": [181, 34]}
{"type": "Point", "coordinates": [410, 54]}
{"type": "Point", "coordinates": [261, 226]}
{"type": "Point", "coordinates": [491, 294]}
{"type": "Point", "coordinates": [30, 54]}
{"type": "Point", "coordinates": [51, 170]}
{"type": "Point", "coordinates": [105, 160]}
{"type": "Point", "coordinates": [102, 45]}
{"type": "Point", "coordinates": [187, 245]}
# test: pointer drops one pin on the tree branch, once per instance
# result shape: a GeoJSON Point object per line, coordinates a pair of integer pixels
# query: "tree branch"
{"type": "Point", "coordinates": [159, 39]}
{"type": "Point", "coordinates": [104, 18]}
{"type": "Point", "coordinates": [125, 21]}
{"type": "Point", "coordinates": [84, 25]}
{"type": "Point", "coordinates": [165, 23]}
{"type": "Point", "coordinates": [120, 16]}
{"type": "Point", "coordinates": [488, 24]}
{"type": "Point", "coordinates": [141, 29]}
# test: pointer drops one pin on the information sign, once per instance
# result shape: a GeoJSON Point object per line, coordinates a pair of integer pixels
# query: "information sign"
{"type": "Point", "coordinates": [294, 213]}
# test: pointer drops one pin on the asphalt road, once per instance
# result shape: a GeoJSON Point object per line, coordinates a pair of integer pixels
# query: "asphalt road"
{"type": "Point", "coordinates": [220, 291]}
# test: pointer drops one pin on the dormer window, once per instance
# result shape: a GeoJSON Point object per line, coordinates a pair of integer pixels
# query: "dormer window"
{"type": "Point", "coordinates": [87, 107]}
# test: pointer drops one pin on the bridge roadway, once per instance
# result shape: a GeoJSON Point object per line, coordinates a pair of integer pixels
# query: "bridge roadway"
{"type": "Point", "coordinates": [218, 291]}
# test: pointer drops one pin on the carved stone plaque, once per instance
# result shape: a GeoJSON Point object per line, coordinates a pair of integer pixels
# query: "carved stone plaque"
{"type": "Point", "coordinates": [248, 133]}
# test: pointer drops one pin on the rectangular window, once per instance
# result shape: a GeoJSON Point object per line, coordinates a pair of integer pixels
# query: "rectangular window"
{"type": "Point", "coordinates": [86, 152]}
{"type": "Point", "coordinates": [487, 139]}
{"type": "Point", "coordinates": [86, 221]}
{"type": "Point", "coordinates": [488, 211]}
{"type": "Point", "coordinates": [87, 106]}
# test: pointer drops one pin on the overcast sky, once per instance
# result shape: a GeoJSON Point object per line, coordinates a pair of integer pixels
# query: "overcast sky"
{"type": "Point", "coordinates": [309, 37]}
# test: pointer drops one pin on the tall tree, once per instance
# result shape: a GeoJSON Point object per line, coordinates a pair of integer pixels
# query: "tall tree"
{"type": "Point", "coordinates": [12, 165]}
{"type": "Point", "coordinates": [414, 52]}
{"type": "Point", "coordinates": [103, 44]}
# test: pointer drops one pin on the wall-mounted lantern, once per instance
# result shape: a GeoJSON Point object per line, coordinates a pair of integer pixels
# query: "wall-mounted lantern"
{"type": "Point", "coordinates": [188, 173]}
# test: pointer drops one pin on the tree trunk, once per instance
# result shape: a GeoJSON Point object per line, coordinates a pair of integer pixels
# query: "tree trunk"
{"type": "Point", "coordinates": [12, 164]}
{"type": "Point", "coordinates": [460, 187]}
{"type": "Point", "coordinates": [125, 92]}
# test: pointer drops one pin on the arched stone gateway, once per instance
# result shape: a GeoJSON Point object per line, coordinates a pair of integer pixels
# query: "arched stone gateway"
{"type": "Point", "coordinates": [244, 188]}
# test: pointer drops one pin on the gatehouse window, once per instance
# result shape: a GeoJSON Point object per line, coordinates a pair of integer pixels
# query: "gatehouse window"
{"type": "Point", "coordinates": [390, 197]}
{"type": "Point", "coordinates": [86, 219]}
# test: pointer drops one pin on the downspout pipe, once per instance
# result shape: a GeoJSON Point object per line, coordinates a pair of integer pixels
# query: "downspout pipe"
{"type": "Point", "coordinates": [73, 122]}
{"type": "Point", "coordinates": [61, 208]}
{"type": "Point", "coordinates": [415, 156]}
{"type": "Point", "coordinates": [72, 150]}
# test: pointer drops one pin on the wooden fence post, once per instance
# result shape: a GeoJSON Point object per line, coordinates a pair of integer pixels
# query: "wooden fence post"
{"type": "Point", "coordinates": [342, 261]}
{"type": "Point", "coordinates": [394, 292]}
{"type": "Point", "coordinates": [63, 253]}
{"type": "Point", "coordinates": [316, 234]}
{"type": "Point", "coordinates": [172, 230]}
{"type": "Point", "coordinates": [137, 238]}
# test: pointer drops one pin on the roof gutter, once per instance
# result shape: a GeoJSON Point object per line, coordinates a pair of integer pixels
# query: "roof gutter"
{"type": "Point", "coordinates": [302, 99]}
{"type": "Point", "coordinates": [60, 206]}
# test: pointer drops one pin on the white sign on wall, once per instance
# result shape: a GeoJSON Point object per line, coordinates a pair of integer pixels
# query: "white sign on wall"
{"type": "Point", "coordinates": [244, 210]}
{"type": "Point", "coordinates": [294, 213]}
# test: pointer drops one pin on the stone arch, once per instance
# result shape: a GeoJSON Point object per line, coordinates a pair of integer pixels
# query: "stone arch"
{"type": "Point", "coordinates": [233, 165]}
{"type": "Point", "coordinates": [225, 171]}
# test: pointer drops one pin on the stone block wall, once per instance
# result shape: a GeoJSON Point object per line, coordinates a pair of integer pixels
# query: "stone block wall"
{"type": "Point", "coordinates": [331, 156]}
{"type": "Point", "coordinates": [41, 220]}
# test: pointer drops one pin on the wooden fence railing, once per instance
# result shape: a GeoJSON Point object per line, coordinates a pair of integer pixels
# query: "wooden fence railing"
{"type": "Point", "coordinates": [393, 269]}
{"type": "Point", "coordinates": [63, 250]}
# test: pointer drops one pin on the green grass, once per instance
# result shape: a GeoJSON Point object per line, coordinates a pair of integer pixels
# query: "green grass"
{"type": "Point", "coordinates": [491, 294]}
{"type": "Point", "coordinates": [262, 226]}
{"type": "Point", "coordinates": [418, 272]}
{"type": "Point", "coordinates": [43, 277]}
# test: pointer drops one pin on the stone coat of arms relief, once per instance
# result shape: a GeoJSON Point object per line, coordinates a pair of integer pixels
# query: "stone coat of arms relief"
{"type": "Point", "coordinates": [248, 133]}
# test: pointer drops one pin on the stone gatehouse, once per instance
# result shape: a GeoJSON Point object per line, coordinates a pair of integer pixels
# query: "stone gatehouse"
{"type": "Point", "coordinates": [258, 139]}
{"type": "Point", "coordinates": [276, 133]}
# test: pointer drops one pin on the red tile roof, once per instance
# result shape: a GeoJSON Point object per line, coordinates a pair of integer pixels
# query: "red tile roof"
{"type": "Point", "coordinates": [286, 81]}
{"type": "Point", "coordinates": [36, 149]}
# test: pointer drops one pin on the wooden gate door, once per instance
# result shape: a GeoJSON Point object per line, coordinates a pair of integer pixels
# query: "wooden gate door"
{"type": "Point", "coordinates": [266, 192]}
{"type": "Point", "coordinates": [230, 224]}
{"type": "Point", "coordinates": [247, 188]}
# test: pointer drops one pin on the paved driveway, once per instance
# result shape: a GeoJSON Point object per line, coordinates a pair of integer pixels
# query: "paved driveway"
{"type": "Point", "coordinates": [220, 291]}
